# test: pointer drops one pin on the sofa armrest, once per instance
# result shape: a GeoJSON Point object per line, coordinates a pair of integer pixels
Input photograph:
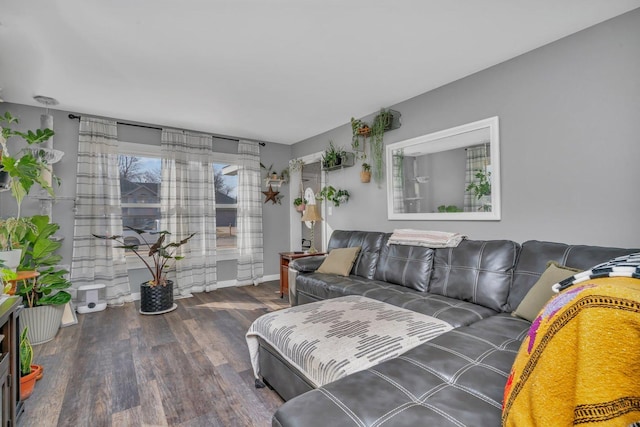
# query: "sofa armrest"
{"type": "Point", "coordinates": [307, 264]}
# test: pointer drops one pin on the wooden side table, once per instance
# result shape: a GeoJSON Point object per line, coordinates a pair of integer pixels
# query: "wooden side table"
{"type": "Point", "coordinates": [22, 277]}
{"type": "Point", "coordinates": [285, 259]}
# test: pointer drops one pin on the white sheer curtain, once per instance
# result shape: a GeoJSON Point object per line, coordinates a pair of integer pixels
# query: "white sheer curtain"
{"type": "Point", "coordinates": [188, 205]}
{"type": "Point", "coordinates": [98, 212]}
{"type": "Point", "coordinates": [250, 244]}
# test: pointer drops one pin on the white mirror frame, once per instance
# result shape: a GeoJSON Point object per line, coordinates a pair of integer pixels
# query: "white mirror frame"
{"type": "Point", "coordinates": [443, 141]}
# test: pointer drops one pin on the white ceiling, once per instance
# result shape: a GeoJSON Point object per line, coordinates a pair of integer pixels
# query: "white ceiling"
{"type": "Point", "coordinates": [274, 70]}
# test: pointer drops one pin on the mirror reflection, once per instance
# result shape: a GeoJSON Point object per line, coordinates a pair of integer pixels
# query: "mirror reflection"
{"type": "Point", "coordinates": [452, 174]}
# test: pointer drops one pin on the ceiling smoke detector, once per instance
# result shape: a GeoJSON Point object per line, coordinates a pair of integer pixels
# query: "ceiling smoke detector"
{"type": "Point", "coordinates": [45, 100]}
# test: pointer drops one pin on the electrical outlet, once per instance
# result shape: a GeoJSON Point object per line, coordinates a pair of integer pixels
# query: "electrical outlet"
{"type": "Point", "coordinates": [329, 210]}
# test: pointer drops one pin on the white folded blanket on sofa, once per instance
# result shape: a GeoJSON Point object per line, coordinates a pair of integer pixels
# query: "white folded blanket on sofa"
{"type": "Point", "coordinates": [426, 238]}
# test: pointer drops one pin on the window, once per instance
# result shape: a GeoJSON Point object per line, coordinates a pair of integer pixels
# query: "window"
{"type": "Point", "coordinates": [226, 181]}
{"type": "Point", "coordinates": [140, 180]}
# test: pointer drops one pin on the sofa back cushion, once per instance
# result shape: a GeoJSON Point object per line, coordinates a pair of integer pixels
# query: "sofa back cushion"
{"type": "Point", "coordinates": [370, 243]}
{"type": "Point", "coordinates": [408, 266]}
{"type": "Point", "coordinates": [478, 271]}
{"type": "Point", "coordinates": [535, 255]}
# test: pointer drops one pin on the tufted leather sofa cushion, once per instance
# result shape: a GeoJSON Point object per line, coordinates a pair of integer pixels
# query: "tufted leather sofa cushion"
{"type": "Point", "coordinates": [408, 266]}
{"type": "Point", "coordinates": [317, 286]}
{"type": "Point", "coordinates": [478, 271]}
{"type": "Point", "coordinates": [535, 255]}
{"type": "Point", "coordinates": [370, 243]}
{"type": "Point", "coordinates": [456, 379]}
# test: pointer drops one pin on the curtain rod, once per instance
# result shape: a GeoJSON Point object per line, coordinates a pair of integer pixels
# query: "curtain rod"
{"type": "Point", "coordinates": [73, 116]}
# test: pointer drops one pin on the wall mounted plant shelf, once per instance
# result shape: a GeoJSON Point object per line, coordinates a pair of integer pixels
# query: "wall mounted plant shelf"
{"type": "Point", "coordinates": [346, 160]}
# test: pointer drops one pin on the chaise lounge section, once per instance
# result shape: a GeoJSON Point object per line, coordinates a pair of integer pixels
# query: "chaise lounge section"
{"type": "Point", "coordinates": [457, 378]}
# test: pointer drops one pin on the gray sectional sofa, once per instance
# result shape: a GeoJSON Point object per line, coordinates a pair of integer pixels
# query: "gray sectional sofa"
{"type": "Point", "coordinates": [456, 379]}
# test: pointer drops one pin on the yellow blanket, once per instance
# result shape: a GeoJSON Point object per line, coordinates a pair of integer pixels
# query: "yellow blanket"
{"type": "Point", "coordinates": [580, 364]}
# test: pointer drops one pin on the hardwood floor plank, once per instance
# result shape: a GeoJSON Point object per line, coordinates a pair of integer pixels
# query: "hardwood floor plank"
{"type": "Point", "coordinates": [186, 368]}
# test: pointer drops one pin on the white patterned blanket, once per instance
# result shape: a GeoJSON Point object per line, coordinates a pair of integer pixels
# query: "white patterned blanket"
{"type": "Point", "coordinates": [331, 339]}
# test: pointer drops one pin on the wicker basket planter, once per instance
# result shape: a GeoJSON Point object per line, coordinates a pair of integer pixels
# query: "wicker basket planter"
{"type": "Point", "coordinates": [156, 299]}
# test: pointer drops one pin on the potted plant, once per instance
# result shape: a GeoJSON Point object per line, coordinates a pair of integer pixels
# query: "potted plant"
{"type": "Point", "coordinates": [333, 156]}
{"type": "Point", "coordinates": [28, 375]}
{"type": "Point", "coordinates": [45, 296]}
{"type": "Point", "coordinates": [331, 194]}
{"type": "Point", "coordinates": [156, 295]}
{"type": "Point", "coordinates": [381, 123]}
{"type": "Point", "coordinates": [481, 188]}
{"type": "Point", "coordinates": [23, 170]}
{"type": "Point", "coordinates": [12, 234]}
{"type": "Point", "coordinates": [300, 203]}
{"type": "Point", "coordinates": [359, 133]}
{"type": "Point", "coordinates": [19, 173]}
{"type": "Point", "coordinates": [365, 173]}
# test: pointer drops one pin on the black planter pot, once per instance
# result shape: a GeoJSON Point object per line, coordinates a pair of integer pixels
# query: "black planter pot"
{"type": "Point", "coordinates": [156, 299]}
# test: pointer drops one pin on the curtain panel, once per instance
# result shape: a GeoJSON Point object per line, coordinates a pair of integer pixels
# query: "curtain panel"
{"type": "Point", "coordinates": [250, 243]}
{"type": "Point", "coordinates": [98, 212]}
{"type": "Point", "coordinates": [188, 205]}
{"type": "Point", "coordinates": [477, 160]}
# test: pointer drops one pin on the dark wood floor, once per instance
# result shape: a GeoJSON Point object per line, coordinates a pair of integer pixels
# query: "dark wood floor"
{"type": "Point", "coordinates": [189, 367]}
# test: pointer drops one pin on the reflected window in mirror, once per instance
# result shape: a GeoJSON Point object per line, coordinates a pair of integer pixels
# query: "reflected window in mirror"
{"type": "Point", "coordinates": [451, 174]}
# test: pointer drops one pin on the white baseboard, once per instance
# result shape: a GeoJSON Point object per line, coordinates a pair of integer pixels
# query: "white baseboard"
{"type": "Point", "coordinates": [135, 296]}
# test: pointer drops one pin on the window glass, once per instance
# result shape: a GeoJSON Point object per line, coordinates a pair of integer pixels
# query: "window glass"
{"type": "Point", "coordinates": [140, 180]}
{"type": "Point", "coordinates": [140, 197]}
{"type": "Point", "coordinates": [226, 182]}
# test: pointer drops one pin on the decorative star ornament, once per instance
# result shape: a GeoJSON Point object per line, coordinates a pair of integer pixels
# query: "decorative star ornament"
{"type": "Point", "coordinates": [271, 195]}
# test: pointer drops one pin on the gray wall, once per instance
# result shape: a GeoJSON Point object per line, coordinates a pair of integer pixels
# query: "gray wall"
{"type": "Point", "coordinates": [569, 133]}
{"type": "Point", "coordinates": [275, 217]}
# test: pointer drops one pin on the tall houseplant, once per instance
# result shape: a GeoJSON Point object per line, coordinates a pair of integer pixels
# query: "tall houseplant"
{"type": "Point", "coordinates": [24, 169]}
{"type": "Point", "coordinates": [20, 172]}
{"type": "Point", "coordinates": [44, 296]}
{"type": "Point", "coordinates": [156, 295]}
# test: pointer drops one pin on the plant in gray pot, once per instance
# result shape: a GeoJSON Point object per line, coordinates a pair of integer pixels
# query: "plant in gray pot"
{"type": "Point", "coordinates": [44, 296]}
{"type": "Point", "coordinates": [156, 295]}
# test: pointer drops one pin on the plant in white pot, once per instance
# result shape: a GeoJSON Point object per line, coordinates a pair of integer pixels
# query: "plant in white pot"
{"type": "Point", "coordinates": [44, 296]}
{"type": "Point", "coordinates": [156, 295]}
{"type": "Point", "coordinates": [19, 173]}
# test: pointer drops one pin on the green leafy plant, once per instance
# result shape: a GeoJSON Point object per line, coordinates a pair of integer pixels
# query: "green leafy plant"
{"type": "Point", "coordinates": [24, 169]}
{"type": "Point", "coordinates": [299, 201]}
{"type": "Point", "coordinates": [381, 122]}
{"type": "Point", "coordinates": [366, 167]}
{"type": "Point", "coordinates": [333, 156]}
{"type": "Point", "coordinates": [161, 253]}
{"type": "Point", "coordinates": [449, 208]}
{"type": "Point", "coordinates": [13, 232]}
{"type": "Point", "coordinates": [331, 194]}
{"type": "Point", "coordinates": [39, 254]}
{"type": "Point", "coordinates": [5, 276]}
{"type": "Point", "coordinates": [482, 184]}
{"type": "Point", "coordinates": [26, 353]}
{"type": "Point", "coordinates": [359, 133]}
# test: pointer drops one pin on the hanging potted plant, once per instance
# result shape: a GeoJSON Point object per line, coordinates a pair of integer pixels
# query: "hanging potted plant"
{"type": "Point", "coordinates": [359, 133]}
{"type": "Point", "coordinates": [365, 173]}
{"type": "Point", "coordinates": [156, 295]}
{"type": "Point", "coordinates": [381, 123]}
{"type": "Point", "coordinates": [331, 194]}
{"type": "Point", "coordinates": [300, 203]}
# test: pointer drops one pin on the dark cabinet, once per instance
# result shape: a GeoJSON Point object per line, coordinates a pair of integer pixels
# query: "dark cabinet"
{"type": "Point", "coordinates": [10, 360]}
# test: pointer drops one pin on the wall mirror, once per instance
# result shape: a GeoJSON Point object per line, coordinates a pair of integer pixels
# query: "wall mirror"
{"type": "Point", "coordinates": [452, 174]}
